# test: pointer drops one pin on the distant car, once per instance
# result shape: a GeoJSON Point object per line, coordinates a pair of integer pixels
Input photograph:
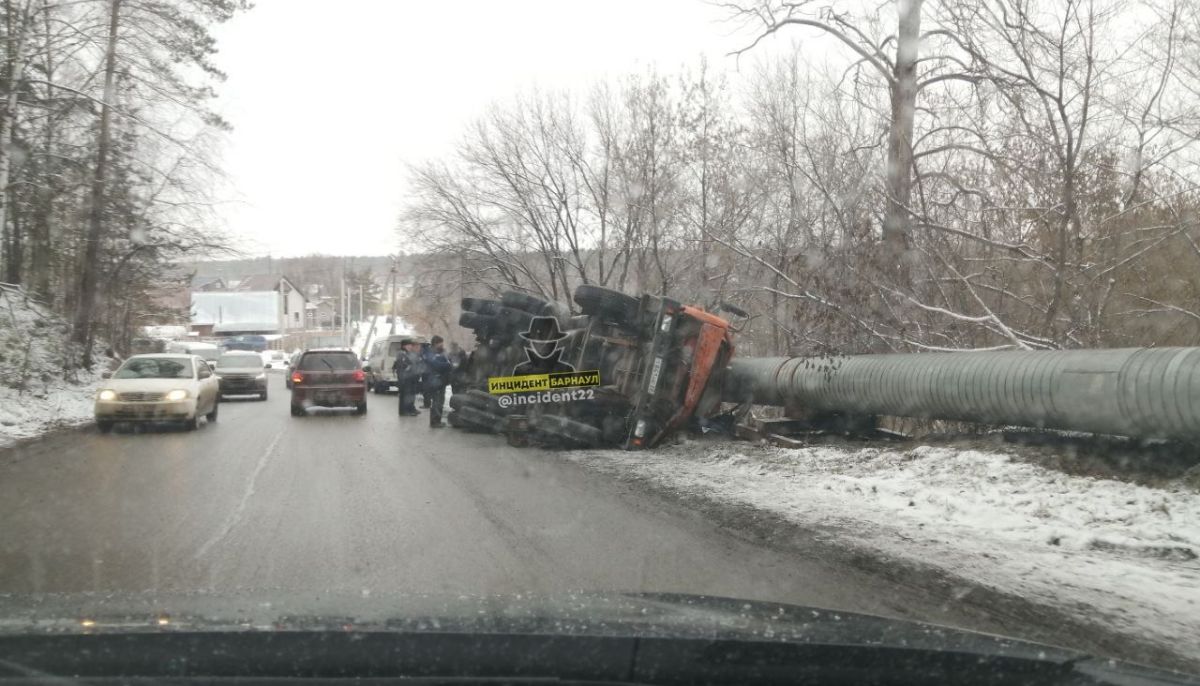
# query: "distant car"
{"type": "Point", "coordinates": [249, 342]}
{"type": "Point", "coordinates": [209, 351]}
{"type": "Point", "coordinates": [380, 377]}
{"type": "Point", "coordinates": [278, 359]}
{"type": "Point", "coordinates": [156, 388]}
{"type": "Point", "coordinates": [241, 373]}
{"type": "Point", "coordinates": [328, 378]}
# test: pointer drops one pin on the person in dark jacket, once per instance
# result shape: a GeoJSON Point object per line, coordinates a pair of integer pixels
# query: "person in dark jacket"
{"type": "Point", "coordinates": [423, 354]}
{"type": "Point", "coordinates": [437, 375]}
{"type": "Point", "coordinates": [407, 374]}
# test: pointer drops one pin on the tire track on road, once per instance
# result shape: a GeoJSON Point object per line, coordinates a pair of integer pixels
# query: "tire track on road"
{"type": "Point", "coordinates": [236, 515]}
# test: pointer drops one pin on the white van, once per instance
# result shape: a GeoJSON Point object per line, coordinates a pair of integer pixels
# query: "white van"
{"type": "Point", "coordinates": [380, 377]}
{"type": "Point", "coordinates": [209, 351]}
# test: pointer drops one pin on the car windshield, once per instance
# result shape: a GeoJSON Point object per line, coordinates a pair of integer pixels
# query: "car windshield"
{"type": "Point", "coordinates": [632, 313]}
{"type": "Point", "coordinates": [328, 361]}
{"type": "Point", "coordinates": [155, 368]}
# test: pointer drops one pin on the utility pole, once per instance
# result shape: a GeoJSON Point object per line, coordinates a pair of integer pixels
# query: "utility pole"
{"type": "Point", "coordinates": [342, 300]}
{"type": "Point", "coordinates": [392, 332]}
{"type": "Point", "coordinates": [360, 303]}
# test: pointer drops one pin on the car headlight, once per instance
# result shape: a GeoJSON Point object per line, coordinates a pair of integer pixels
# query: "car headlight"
{"type": "Point", "coordinates": [177, 394]}
{"type": "Point", "coordinates": [107, 394]}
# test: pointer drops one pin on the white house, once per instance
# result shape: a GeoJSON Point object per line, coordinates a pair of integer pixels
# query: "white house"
{"type": "Point", "coordinates": [263, 304]}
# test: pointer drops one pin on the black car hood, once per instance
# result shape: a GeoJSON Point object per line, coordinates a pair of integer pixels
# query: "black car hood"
{"type": "Point", "coordinates": [649, 620]}
{"type": "Point", "coordinates": [618, 614]}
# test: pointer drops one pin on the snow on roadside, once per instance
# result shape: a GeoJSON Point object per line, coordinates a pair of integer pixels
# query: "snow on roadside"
{"type": "Point", "coordinates": [35, 393]}
{"type": "Point", "coordinates": [34, 412]}
{"type": "Point", "coordinates": [1107, 551]}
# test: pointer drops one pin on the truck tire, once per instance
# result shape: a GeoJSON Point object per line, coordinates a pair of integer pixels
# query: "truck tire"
{"type": "Point", "coordinates": [483, 400]}
{"type": "Point", "coordinates": [480, 305]}
{"type": "Point", "coordinates": [569, 430]}
{"type": "Point", "coordinates": [480, 420]}
{"type": "Point", "coordinates": [524, 302]}
{"type": "Point", "coordinates": [476, 321]}
{"type": "Point", "coordinates": [514, 319]}
{"type": "Point", "coordinates": [607, 303]}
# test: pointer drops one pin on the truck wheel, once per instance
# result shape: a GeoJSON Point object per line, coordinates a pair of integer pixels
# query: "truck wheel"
{"type": "Point", "coordinates": [483, 400]}
{"type": "Point", "coordinates": [513, 319]}
{"type": "Point", "coordinates": [262, 396]}
{"type": "Point", "coordinates": [476, 321]}
{"type": "Point", "coordinates": [297, 411]}
{"type": "Point", "coordinates": [104, 426]}
{"type": "Point", "coordinates": [524, 302]}
{"type": "Point", "coordinates": [480, 305]}
{"type": "Point", "coordinates": [570, 430]}
{"type": "Point", "coordinates": [479, 420]}
{"type": "Point", "coordinates": [605, 302]}
{"type": "Point", "coordinates": [361, 408]}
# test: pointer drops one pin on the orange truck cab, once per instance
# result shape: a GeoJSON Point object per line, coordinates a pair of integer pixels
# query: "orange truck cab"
{"type": "Point", "coordinates": [681, 370]}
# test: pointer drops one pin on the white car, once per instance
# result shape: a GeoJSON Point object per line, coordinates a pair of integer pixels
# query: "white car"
{"type": "Point", "coordinates": [158, 388]}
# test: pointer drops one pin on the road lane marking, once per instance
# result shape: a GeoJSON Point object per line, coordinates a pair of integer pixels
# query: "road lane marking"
{"type": "Point", "coordinates": [235, 516]}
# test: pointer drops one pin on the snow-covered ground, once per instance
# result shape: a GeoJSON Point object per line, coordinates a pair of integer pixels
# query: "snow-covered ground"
{"type": "Point", "coordinates": [36, 395]}
{"type": "Point", "coordinates": [36, 411]}
{"type": "Point", "coordinates": [371, 329]}
{"type": "Point", "coordinates": [1109, 552]}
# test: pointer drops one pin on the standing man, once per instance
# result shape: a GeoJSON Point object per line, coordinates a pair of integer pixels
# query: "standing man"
{"type": "Point", "coordinates": [405, 369]}
{"type": "Point", "coordinates": [437, 375]}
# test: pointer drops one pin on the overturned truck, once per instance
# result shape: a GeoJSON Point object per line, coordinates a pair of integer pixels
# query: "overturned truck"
{"type": "Point", "coordinates": [626, 372]}
{"type": "Point", "coordinates": [630, 371]}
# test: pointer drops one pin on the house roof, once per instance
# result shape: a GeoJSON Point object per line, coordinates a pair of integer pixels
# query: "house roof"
{"type": "Point", "coordinates": [207, 282]}
{"type": "Point", "coordinates": [236, 310]}
{"type": "Point", "coordinates": [264, 282]}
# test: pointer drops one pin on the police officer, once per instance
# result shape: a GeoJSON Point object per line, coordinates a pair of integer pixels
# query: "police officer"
{"type": "Point", "coordinates": [436, 375]}
{"type": "Point", "coordinates": [406, 371]}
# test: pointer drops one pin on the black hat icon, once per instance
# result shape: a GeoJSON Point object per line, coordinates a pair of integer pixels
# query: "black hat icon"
{"type": "Point", "coordinates": [543, 329]}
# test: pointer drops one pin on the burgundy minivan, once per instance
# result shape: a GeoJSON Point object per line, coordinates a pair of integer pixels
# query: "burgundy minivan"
{"type": "Point", "coordinates": [328, 378]}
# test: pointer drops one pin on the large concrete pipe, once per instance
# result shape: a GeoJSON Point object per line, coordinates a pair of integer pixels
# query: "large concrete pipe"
{"type": "Point", "coordinates": [1137, 392]}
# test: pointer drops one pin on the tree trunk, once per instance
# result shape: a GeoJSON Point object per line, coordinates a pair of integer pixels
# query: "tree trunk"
{"type": "Point", "coordinates": [15, 55]}
{"type": "Point", "coordinates": [95, 231]}
{"type": "Point", "coordinates": [896, 223]}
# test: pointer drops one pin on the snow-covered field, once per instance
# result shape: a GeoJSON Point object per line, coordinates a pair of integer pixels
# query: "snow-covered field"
{"type": "Point", "coordinates": [1109, 552]}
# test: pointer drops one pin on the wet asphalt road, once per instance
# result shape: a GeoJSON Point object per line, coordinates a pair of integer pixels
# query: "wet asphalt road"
{"type": "Point", "coordinates": [263, 502]}
{"type": "Point", "coordinates": [333, 501]}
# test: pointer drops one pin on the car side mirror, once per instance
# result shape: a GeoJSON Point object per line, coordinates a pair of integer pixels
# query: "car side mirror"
{"type": "Point", "coordinates": [366, 367]}
{"type": "Point", "coordinates": [105, 375]}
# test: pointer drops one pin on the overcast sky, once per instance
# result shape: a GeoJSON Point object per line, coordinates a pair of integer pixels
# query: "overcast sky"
{"type": "Point", "coordinates": [330, 100]}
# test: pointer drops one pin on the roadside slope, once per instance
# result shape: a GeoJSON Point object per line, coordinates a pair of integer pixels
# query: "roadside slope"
{"type": "Point", "coordinates": [40, 390]}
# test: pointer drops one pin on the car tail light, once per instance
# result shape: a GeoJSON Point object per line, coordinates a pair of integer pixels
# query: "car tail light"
{"type": "Point", "coordinates": [359, 375]}
{"type": "Point", "coordinates": [297, 377]}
